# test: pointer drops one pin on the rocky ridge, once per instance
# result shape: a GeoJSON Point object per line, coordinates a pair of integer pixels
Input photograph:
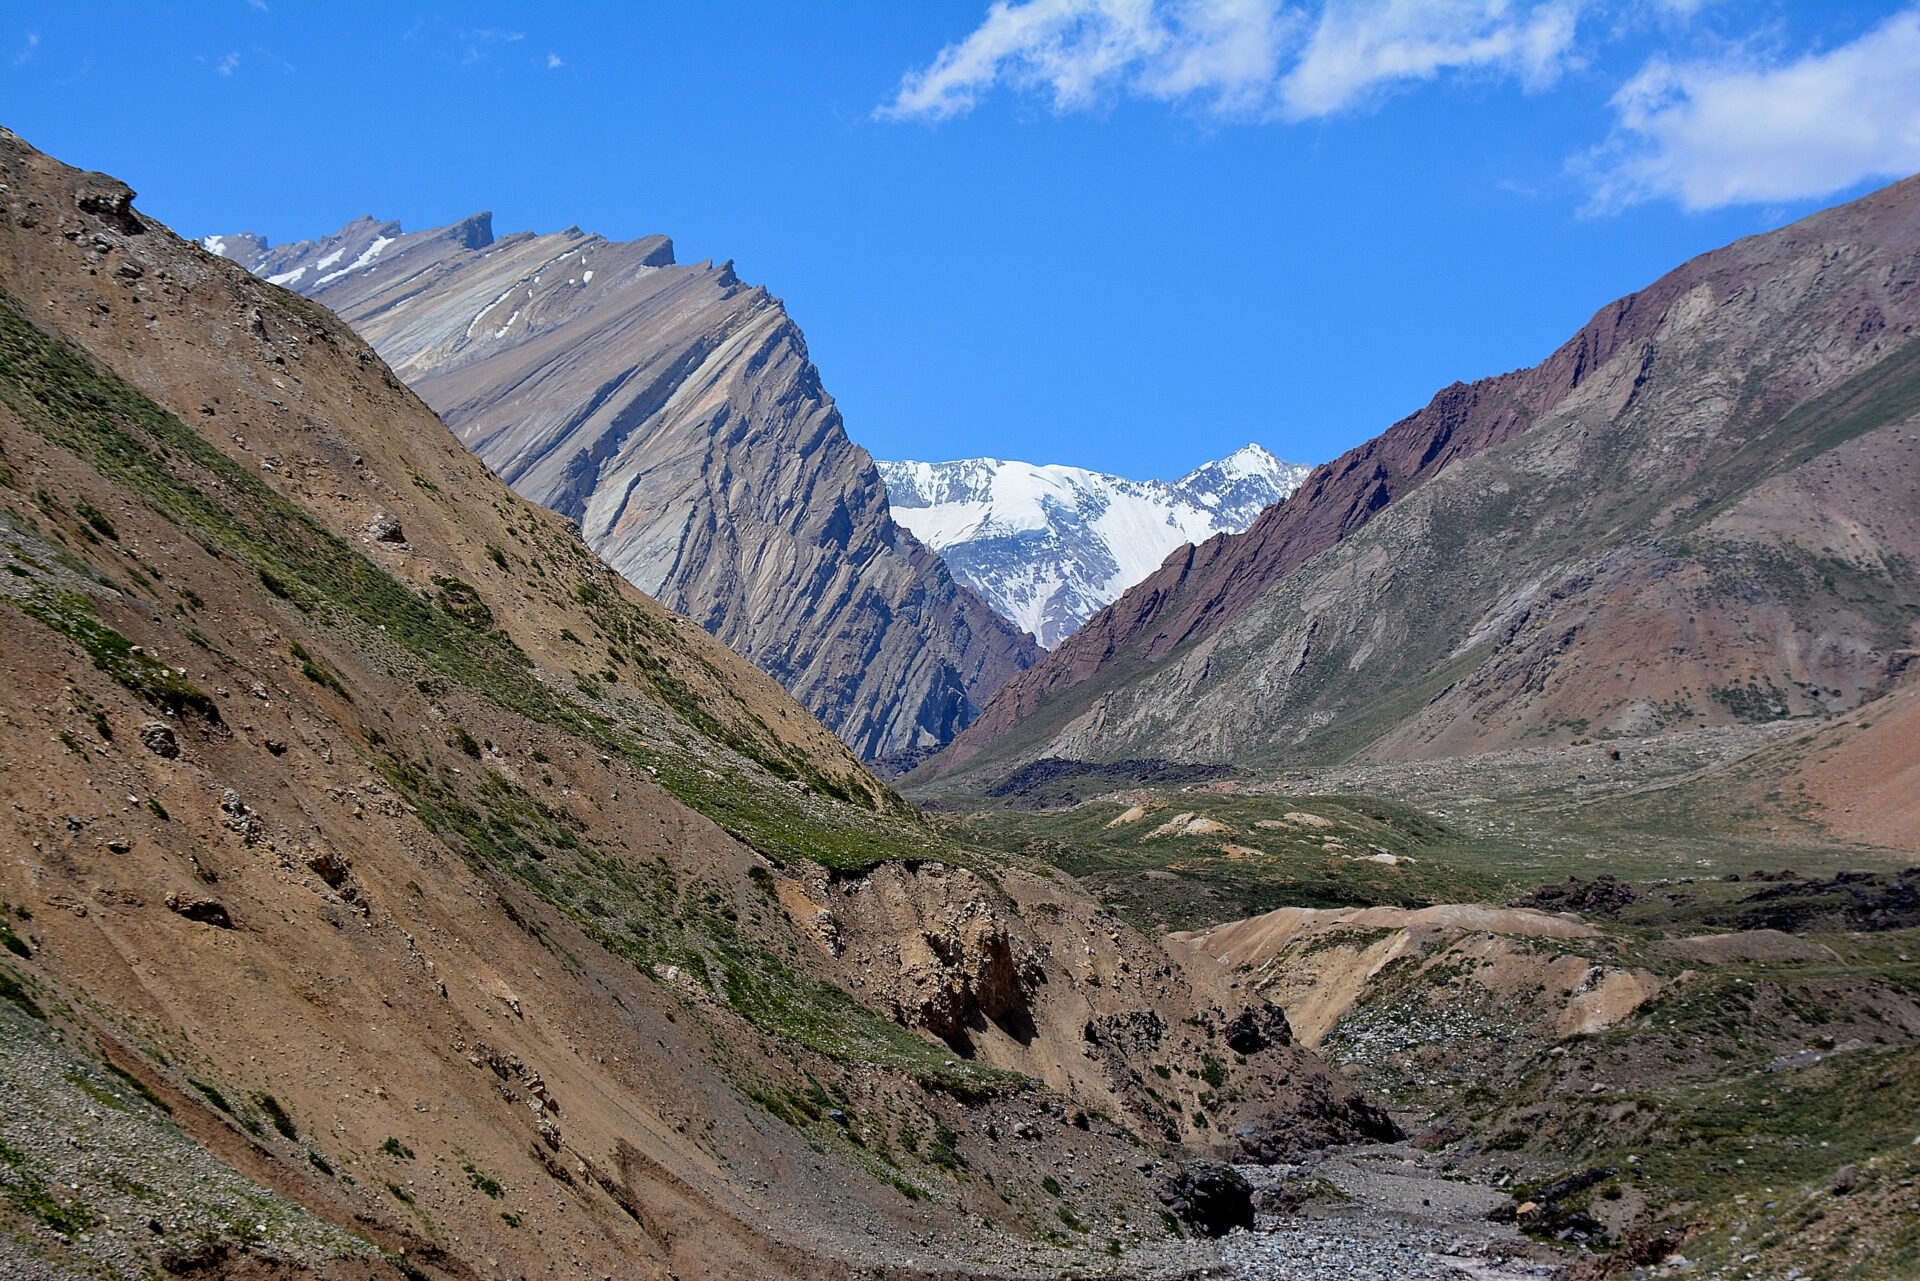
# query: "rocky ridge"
{"type": "Point", "coordinates": [672, 412]}
{"type": "Point", "coordinates": [1687, 515]}
{"type": "Point", "coordinates": [1048, 546]}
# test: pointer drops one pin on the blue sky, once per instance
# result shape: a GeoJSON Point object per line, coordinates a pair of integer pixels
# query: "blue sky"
{"type": "Point", "coordinates": [1115, 233]}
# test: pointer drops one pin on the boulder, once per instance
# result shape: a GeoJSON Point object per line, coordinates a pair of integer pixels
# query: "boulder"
{"type": "Point", "coordinates": [205, 910]}
{"type": "Point", "coordinates": [330, 866]}
{"type": "Point", "coordinates": [1436, 1136]}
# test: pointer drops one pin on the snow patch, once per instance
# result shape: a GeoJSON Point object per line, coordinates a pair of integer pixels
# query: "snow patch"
{"type": "Point", "coordinates": [287, 277]}
{"type": "Point", "coordinates": [481, 314]}
{"type": "Point", "coordinates": [365, 259]}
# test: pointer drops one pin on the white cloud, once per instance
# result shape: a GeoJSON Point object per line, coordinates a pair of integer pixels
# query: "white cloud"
{"type": "Point", "coordinates": [227, 64]}
{"type": "Point", "coordinates": [26, 54]}
{"type": "Point", "coordinates": [554, 61]}
{"type": "Point", "coordinates": [1083, 52]}
{"type": "Point", "coordinates": [1360, 50]}
{"type": "Point", "coordinates": [1710, 134]}
{"type": "Point", "coordinates": [1257, 59]}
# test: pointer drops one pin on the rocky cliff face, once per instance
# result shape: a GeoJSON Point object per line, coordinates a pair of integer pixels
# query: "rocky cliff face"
{"type": "Point", "coordinates": [671, 410]}
{"type": "Point", "coordinates": [1047, 547]}
{"type": "Point", "coordinates": [1687, 514]}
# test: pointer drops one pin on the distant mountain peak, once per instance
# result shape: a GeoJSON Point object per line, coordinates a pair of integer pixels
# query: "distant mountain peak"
{"type": "Point", "coordinates": [1248, 461]}
{"type": "Point", "coordinates": [1048, 545]}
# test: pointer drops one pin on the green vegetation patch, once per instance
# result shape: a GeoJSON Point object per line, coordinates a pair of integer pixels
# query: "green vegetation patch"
{"type": "Point", "coordinates": [32, 1196]}
{"type": "Point", "coordinates": [825, 1019]}
{"type": "Point", "coordinates": [277, 1115]}
{"type": "Point", "coordinates": [139, 1087]}
{"type": "Point", "coordinates": [213, 1095]}
{"type": "Point", "coordinates": [72, 615]}
{"type": "Point", "coordinates": [482, 1183]}
{"type": "Point", "coordinates": [1198, 857]}
{"type": "Point", "coordinates": [11, 989]}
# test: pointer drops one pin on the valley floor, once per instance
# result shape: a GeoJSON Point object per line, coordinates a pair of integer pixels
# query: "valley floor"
{"type": "Point", "coordinates": [1377, 1213]}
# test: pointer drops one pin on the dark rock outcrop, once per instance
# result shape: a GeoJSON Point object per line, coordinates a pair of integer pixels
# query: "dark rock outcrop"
{"type": "Point", "coordinates": [1256, 1027]}
{"type": "Point", "coordinates": [1211, 1200]}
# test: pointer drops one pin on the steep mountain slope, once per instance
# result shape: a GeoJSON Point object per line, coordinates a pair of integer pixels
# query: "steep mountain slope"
{"type": "Point", "coordinates": [1049, 546]}
{"type": "Point", "coordinates": [1698, 510]}
{"type": "Point", "coordinates": [672, 412]}
{"type": "Point", "coordinates": [377, 856]}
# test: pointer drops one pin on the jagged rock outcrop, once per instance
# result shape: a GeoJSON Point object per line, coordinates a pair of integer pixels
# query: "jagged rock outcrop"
{"type": "Point", "coordinates": [1049, 546]}
{"type": "Point", "coordinates": [1210, 1199]}
{"type": "Point", "coordinates": [1696, 511]}
{"type": "Point", "coordinates": [952, 978]}
{"type": "Point", "coordinates": [1024, 974]}
{"type": "Point", "coordinates": [672, 411]}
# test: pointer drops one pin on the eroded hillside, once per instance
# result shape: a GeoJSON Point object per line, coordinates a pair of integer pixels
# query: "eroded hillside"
{"type": "Point", "coordinates": [370, 836]}
{"type": "Point", "coordinates": [1658, 992]}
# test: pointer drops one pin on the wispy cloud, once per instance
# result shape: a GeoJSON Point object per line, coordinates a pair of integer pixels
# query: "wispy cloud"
{"type": "Point", "coordinates": [554, 61]}
{"type": "Point", "coordinates": [1361, 51]}
{"type": "Point", "coordinates": [1733, 131]}
{"type": "Point", "coordinates": [1237, 59]}
{"type": "Point", "coordinates": [477, 43]}
{"type": "Point", "coordinates": [261, 5]}
{"type": "Point", "coordinates": [26, 53]}
{"type": "Point", "coordinates": [1082, 53]}
{"type": "Point", "coordinates": [226, 65]}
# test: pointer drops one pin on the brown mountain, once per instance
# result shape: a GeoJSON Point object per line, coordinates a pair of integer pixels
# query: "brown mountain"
{"type": "Point", "coordinates": [394, 891]}
{"type": "Point", "coordinates": [671, 411]}
{"type": "Point", "coordinates": [1692, 511]}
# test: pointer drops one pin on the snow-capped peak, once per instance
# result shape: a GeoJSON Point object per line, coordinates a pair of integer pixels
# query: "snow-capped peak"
{"type": "Point", "coordinates": [1048, 546]}
{"type": "Point", "coordinates": [1243, 463]}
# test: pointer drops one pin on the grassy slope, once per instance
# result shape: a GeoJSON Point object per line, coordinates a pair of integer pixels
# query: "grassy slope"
{"type": "Point", "coordinates": [723, 761]}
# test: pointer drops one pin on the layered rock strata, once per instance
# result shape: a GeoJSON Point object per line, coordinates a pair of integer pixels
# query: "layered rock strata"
{"type": "Point", "coordinates": [671, 411]}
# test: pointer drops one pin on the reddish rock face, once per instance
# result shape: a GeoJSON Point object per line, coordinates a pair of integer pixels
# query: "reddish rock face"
{"type": "Point", "coordinates": [1822, 299]}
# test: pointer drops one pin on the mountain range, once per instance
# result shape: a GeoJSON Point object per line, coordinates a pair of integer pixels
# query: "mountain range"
{"type": "Point", "coordinates": [672, 412]}
{"type": "Point", "coordinates": [1697, 512]}
{"type": "Point", "coordinates": [1048, 546]}
{"type": "Point", "coordinates": [1494, 857]}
